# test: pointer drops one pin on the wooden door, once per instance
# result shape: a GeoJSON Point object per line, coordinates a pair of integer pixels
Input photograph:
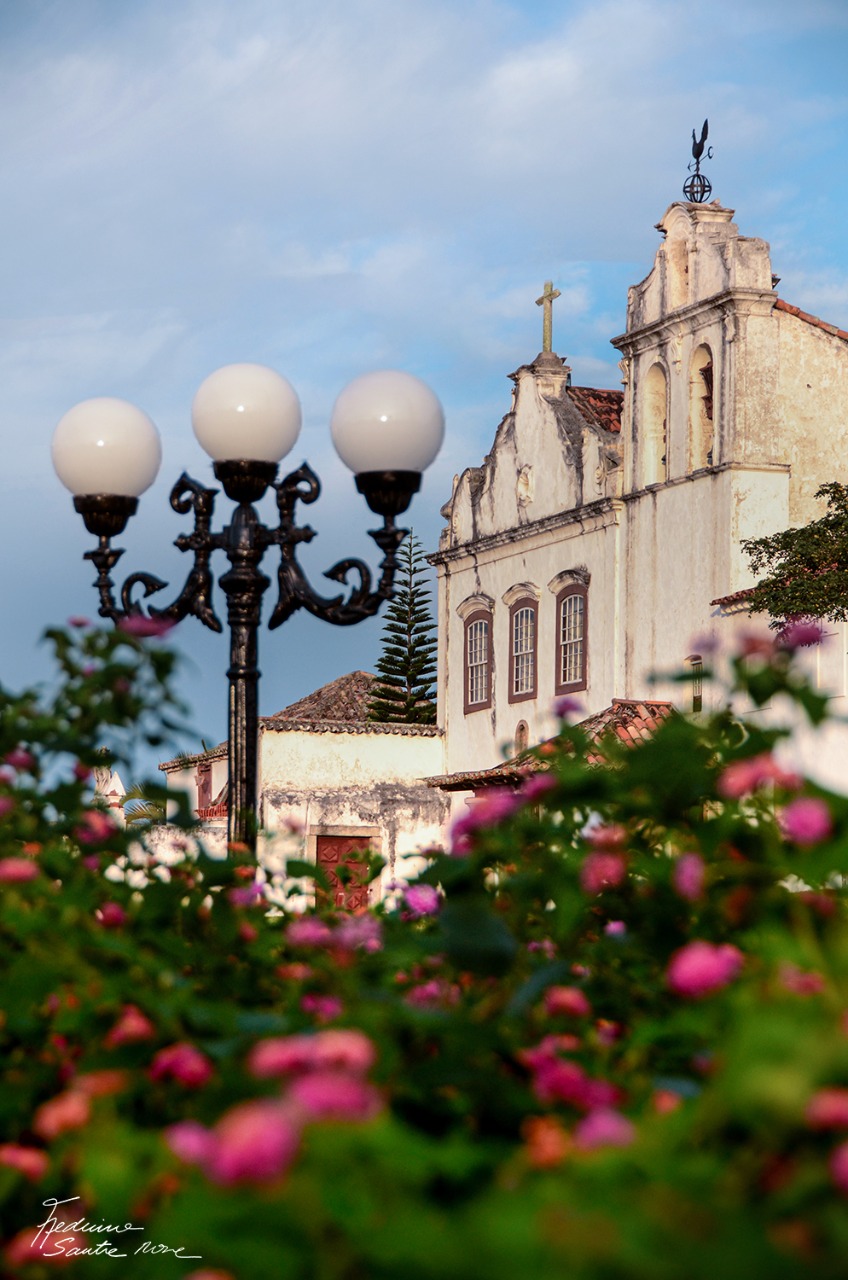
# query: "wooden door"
{"type": "Point", "coordinates": [334, 852]}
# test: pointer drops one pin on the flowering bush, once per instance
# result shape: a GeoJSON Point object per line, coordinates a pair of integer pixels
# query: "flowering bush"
{"type": "Point", "coordinates": [604, 1036]}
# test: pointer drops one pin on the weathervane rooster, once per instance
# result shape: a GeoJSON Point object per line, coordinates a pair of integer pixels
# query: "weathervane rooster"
{"type": "Point", "coordinates": [697, 188]}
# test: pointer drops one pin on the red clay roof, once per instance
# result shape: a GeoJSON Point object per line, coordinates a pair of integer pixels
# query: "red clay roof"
{"type": "Point", "coordinates": [601, 407]}
{"type": "Point", "coordinates": [343, 699]}
{"type": "Point", "coordinates": [780, 305]}
{"type": "Point", "coordinates": [628, 720]}
{"type": "Point", "coordinates": [735, 597]}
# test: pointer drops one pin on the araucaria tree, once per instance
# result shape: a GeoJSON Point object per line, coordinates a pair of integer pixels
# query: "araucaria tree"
{"type": "Point", "coordinates": [805, 570]}
{"type": "Point", "coordinates": [404, 693]}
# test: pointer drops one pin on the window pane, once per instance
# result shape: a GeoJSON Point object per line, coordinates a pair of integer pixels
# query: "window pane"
{"type": "Point", "coordinates": [572, 639]}
{"type": "Point", "coordinates": [478, 662]}
{"type": "Point", "coordinates": [523, 644]}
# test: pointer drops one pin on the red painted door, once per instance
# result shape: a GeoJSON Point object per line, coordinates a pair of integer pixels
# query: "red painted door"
{"type": "Point", "coordinates": [335, 852]}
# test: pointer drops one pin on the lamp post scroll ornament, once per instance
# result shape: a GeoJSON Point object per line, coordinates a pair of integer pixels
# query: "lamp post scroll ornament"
{"type": "Point", "coordinates": [387, 427]}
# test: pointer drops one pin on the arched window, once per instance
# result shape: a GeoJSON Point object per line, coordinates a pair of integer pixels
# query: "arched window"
{"type": "Point", "coordinates": [696, 666]}
{"type": "Point", "coordinates": [522, 737]}
{"type": "Point", "coordinates": [478, 660]}
{"type": "Point", "coordinates": [572, 613]}
{"type": "Point", "coordinates": [653, 442]}
{"type": "Point", "coordinates": [523, 616]}
{"type": "Point", "coordinates": [702, 451]}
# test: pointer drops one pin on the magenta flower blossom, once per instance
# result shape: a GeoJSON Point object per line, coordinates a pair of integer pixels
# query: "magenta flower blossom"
{"type": "Point", "coordinates": [741, 777]}
{"type": "Point", "coordinates": [7, 804]}
{"type": "Point", "coordinates": [838, 1165]}
{"type": "Point", "coordinates": [556, 1080]}
{"type": "Point", "coordinates": [342, 1049]}
{"type": "Point", "coordinates": [183, 1063]}
{"type": "Point", "coordinates": [604, 1127]}
{"type": "Point", "coordinates": [322, 1008]}
{"type": "Point", "coordinates": [422, 900]}
{"type": "Point", "coordinates": [806, 821]}
{"type": "Point", "coordinates": [799, 981]}
{"type": "Point", "coordinates": [433, 994]}
{"type": "Point", "coordinates": [536, 786]}
{"type": "Point", "coordinates": [799, 633]}
{"type": "Point", "coordinates": [252, 1142]}
{"type": "Point", "coordinates": [700, 968]}
{"type": "Point", "coordinates": [190, 1142]}
{"type": "Point", "coordinates": [132, 1025]}
{"type": "Point", "coordinates": [137, 625]}
{"type": "Point", "coordinates": [20, 759]}
{"type": "Point", "coordinates": [17, 870]}
{"type": "Point", "coordinates": [828, 1109]}
{"type": "Point", "coordinates": [82, 773]}
{"type": "Point", "coordinates": [615, 929]}
{"type": "Point", "coordinates": [281, 1055]}
{"type": "Point", "coordinates": [487, 811]}
{"type": "Point", "coordinates": [334, 1095]}
{"type": "Point", "coordinates": [95, 827]}
{"type": "Point", "coordinates": [567, 706]}
{"type": "Point", "coordinates": [569, 1001]}
{"type": "Point", "coordinates": [358, 933]}
{"type": "Point", "coordinates": [688, 876]}
{"type": "Point", "coordinates": [602, 871]}
{"type": "Point", "coordinates": [79, 622]}
{"type": "Point", "coordinates": [308, 932]}
{"type": "Point", "coordinates": [246, 895]}
{"type": "Point", "coordinates": [111, 915]}
{"type": "Point", "coordinates": [32, 1162]}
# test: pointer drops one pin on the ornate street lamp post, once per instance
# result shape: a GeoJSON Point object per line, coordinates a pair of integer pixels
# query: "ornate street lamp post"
{"type": "Point", "coordinates": [387, 427]}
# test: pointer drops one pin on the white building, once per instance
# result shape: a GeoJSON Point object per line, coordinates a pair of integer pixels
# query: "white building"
{"type": "Point", "coordinates": [597, 539]}
{"type": "Point", "coordinates": [602, 532]}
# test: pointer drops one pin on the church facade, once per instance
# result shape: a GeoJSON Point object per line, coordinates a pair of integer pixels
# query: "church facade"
{"type": "Point", "coordinates": [599, 541]}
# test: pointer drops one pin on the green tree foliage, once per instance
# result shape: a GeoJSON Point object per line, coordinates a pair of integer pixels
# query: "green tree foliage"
{"type": "Point", "coordinates": [805, 570]}
{"type": "Point", "coordinates": [404, 693]}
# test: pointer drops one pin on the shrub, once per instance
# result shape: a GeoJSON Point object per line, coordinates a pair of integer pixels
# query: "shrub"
{"type": "Point", "coordinates": [604, 1035]}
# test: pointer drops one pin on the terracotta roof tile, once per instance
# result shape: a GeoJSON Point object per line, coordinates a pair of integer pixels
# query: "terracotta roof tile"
{"type": "Point", "coordinates": [735, 597]}
{"type": "Point", "coordinates": [628, 720]}
{"type": "Point", "coordinates": [780, 305]}
{"type": "Point", "coordinates": [343, 699]}
{"type": "Point", "coordinates": [601, 407]}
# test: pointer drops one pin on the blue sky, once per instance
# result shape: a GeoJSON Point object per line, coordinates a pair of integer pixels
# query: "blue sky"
{"type": "Point", "coordinates": [330, 186]}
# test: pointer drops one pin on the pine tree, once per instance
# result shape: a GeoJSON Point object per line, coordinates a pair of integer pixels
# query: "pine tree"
{"type": "Point", "coordinates": [404, 693]}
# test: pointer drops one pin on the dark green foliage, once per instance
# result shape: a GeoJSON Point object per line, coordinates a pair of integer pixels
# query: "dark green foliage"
{"type": "Point", "coordinates": [806, 569]}
{"type": "Point", "coordinates": [407, 665]}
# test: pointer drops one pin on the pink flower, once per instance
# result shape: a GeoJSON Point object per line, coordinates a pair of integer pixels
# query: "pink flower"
{"type": "Point", "coordinates": [132, 1025]}
{"type": "Point", "coordinates": [422, 900]}
{"type": "Point", "coordinates": [358, 933]}
{"type": "Point", "coordinates": [555, 1080]}
{"type": "Point", "coordinates": [183, 1063]}
{"type": "Point", "coordinates": [28, 1246]}
{"type": "Point", "coordinates": [20, 759]}
{"type": "Point", "coordinates": [566, 1000]}
{"type": "Point", "coordinates": [567, 706]}
{"type": "Point", "coordinates": [78, 622]}
{"type": "Point", "coordinates": [334, 1095]}
{"type": "Point", "coordinates": [246, 895]}
{"type": "Point", "coordinates": [700, 968]}
{"type": "Point", "coordinates": [545, 945]}
{"type": "Point", "coordinates": [604, 1128]}
{"type": "Point", "coordinates": [101, 1084]}
{"type": "Point", "coordinates": [95, 828]}
{"type": "Point", "coordinates": [81, 771]}
{"type": "Point", "coordinates": [32, 1162]}
{"type": "Point", "coordinates": [741, 777]}
{"type": "Point", "coordinates": [615, 929]}
{"type": "Point", "coordinates": [111, 915]}
{"type": "Point", "coordinates": [609, 839]}
{"type": "Point", "coordinates": [436, 992]}
{"type": "Point", "coordinates": [322, 1008]}
{"type": "Point", "coordinates": [281, 1055]}
{"type": "Point", "coordinates": [838, 1165]}
{"type": "Point", "coordinates": [190, 1142]}
{"type": "Point", "coordinates": [69, 1110]}
{"type": "Point", "coordinates": [253, 1142]}
{"type": "Point", "coordinates": [137, 625]}
{"type": "Point", "coordinates": [688, 876]}
{"type": "Point", "coordinates": [602, 871]}
{"type": "Point", "coordinates": [344, 1048]}
{"type": "Point", "coordinates": [799, 982]}
{"type": "Point", "coordinates": [799, 633]}
{"type": "Point", "coordinates": [17, 870]}
{"type": "Point", "coordinates": [828, 1109]}
{"type": "Point", "coordinates": [308, 932]}
{"type": "Point", "coordinates": [536, 786]}
{"type": "Point", "coordinates": [806, 821]}
{"type": "Point", "coordinates": [490, 808]}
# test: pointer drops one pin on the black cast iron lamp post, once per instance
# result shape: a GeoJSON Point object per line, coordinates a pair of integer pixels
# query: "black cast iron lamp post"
{"type": "Point", "coordinates": [387, 427]}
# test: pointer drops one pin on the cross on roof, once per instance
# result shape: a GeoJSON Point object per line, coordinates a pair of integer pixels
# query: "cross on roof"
{"type": "Point", "coordinates": [547, 301]}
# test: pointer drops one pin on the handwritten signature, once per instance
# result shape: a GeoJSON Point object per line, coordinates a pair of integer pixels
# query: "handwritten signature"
{"type": "Point", "coordinates": [68, 1234]}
